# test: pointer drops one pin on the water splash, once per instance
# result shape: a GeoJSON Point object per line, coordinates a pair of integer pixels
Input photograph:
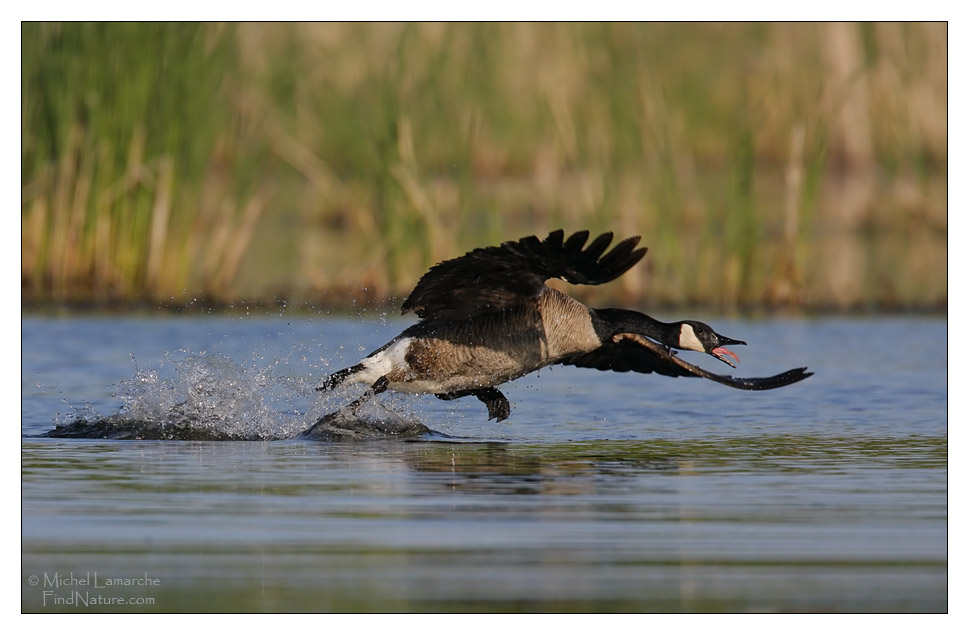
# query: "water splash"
{"type": "Point", "coordinates": [210, 397]}
{"type": "Point", "coordinates": [210, 393]}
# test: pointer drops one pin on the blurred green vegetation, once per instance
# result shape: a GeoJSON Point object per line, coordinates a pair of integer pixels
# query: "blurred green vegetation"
{"type": "Point", "coordinates": [793, 165]}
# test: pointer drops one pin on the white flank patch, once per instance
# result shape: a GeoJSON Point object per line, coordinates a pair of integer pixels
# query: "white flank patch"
{"type": "Point", "coordinates": [383, 362]}
{"type": "Point", "coordinates": [688, 339]}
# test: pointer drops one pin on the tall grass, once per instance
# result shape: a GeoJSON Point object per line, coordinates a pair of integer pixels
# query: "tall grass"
{"type": "Point", "coordinates": [129, 184]}
{"type": "Point", "coordinates": [763, 163]}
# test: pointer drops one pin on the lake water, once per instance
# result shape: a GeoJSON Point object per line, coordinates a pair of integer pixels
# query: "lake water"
{"type": "Point", "coordinates": [601, 492]}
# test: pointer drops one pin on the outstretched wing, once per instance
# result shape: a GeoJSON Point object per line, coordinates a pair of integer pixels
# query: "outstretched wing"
{"type": "Point", "coordinates": [495, 278]}
{"type": "Point", "coordinates": [634, 352]}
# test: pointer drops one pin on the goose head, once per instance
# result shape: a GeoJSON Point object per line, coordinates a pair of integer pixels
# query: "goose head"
{"type": "Point", "coordinates": [697, 336]}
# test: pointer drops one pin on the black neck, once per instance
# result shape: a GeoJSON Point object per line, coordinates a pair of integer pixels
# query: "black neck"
{"type": "Point", "coordinates": [609, 322]}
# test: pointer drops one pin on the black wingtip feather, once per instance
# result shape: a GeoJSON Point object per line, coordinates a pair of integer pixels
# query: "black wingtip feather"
{"type": "Point", "coordinates": [555, 238]}
{"type": "Point", "coordinates": [784, 379]}
{"type": "Point", "coordinates": [618, 260]}
{"type": "Point", "coordinates": [574, 244]}
{"type": "Point", "coordinates": [599, 245]}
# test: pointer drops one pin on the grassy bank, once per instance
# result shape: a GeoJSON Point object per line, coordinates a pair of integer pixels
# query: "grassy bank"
{"type": "Point", "coordinates": [797, 165]}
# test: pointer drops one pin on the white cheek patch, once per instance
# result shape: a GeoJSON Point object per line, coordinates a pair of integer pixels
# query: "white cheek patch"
{"type": "Point", "coordinates": [689, 340]}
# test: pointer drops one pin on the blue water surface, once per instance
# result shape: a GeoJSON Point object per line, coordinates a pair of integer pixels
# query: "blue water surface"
{"type": "Point", "coordinates": [601, 492]}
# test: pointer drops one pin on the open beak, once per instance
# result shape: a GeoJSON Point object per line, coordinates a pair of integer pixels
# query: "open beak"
{"type": "Point", "coordinates": [722, 353]}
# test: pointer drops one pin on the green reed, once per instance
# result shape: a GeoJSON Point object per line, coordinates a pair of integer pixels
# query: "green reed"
{"type": "Point", "coordinates": [763, 163]}
{"type": "Point", "coordinates": [124, 130]}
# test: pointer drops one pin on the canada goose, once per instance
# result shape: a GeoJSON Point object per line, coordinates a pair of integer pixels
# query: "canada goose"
{"type": "Point", "coordinates": [488, 317]}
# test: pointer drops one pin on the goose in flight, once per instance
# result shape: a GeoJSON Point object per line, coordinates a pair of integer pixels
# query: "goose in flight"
{"type": "Point", "coordinates": [488, 317]}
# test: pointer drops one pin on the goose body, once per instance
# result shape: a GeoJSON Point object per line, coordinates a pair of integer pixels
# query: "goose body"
{"type": "Point", "coordinates": [488, 317]}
